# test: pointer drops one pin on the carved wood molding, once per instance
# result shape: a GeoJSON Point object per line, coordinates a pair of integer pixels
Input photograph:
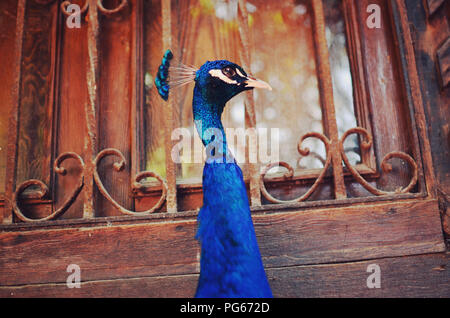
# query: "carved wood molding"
{"type": "Point", "coordinates": [443, 62]}
{"type": "Point", "coordinates": [432, 6]}
{"type": "Point", "coordinates": [443, 52]}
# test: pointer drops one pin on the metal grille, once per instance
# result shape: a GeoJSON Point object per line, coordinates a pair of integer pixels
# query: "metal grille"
{"type": "Point", "coordinates": [89, 177]}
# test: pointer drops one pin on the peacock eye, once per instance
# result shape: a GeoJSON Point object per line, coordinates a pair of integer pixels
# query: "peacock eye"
{"type": "Point", "coordinates": [228, 72]}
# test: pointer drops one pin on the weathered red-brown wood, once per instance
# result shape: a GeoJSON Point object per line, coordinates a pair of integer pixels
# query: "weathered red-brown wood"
{"type": "Point", "coordinates": [72, 119]}
{"type": "Point", "coordinates": [11, 150]}
{"type": "Point", "coordinates": [168, 247]}
{"type": "Point", "coordinates": [411, 276]}
{"type": "Point", "coordinates": [428, 34]}
{"type": "Point", "coordinates": [115, 41]}
{"type": "Point", "coordinates": [443, 59]}
{"type": "Point", "coordinates": [360, 84]}
{"type": "Point", "coordinates": [102, 253]}
{"type": "Point", "coordinates": [413, 97]}
{"type": "Point", "coordinates": [7, 41]}
{"type": "Point", "coordinates": [36, 104]}
{"type": "Point", "coordinates": [388, 108]}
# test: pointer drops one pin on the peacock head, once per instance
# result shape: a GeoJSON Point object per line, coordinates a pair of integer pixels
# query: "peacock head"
{"type": "Point", "coordinates": [221, 80]}
{"type": "Point", "coordinates": [216, 81]}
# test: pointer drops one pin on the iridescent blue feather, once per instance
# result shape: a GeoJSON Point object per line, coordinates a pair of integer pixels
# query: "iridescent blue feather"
{"type": "Point", "coordinates": [162, 77]}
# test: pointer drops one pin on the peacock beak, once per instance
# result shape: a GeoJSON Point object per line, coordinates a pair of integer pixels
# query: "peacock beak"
{"type": "Point", "coordinates": [256, 83]}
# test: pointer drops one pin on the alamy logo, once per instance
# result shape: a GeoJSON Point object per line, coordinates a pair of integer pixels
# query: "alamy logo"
{"type": "Point", "coordinates": [74, 279]}
{"type": "Point", "coordinates": [74, 19]}
{"type": "Point", "coordinates": [374, 279]}
{"type": "Point", "coordinates": [374, 19]}
{"type": "Point", "coordinates": [189, 148]}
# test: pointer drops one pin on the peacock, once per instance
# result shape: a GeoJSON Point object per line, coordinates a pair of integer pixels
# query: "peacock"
{"type": "Point", "coordinates": [230, 260]}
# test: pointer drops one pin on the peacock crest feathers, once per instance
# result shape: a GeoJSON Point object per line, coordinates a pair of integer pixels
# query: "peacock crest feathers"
{"type": "Point", "coordinates": [172, 75]}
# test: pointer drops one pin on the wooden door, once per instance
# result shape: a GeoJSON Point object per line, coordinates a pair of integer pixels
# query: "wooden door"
{"type": "Point", "coordinates": [85, 144]}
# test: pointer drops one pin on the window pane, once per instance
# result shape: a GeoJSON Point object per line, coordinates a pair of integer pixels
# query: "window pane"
{"type": "Point", "coordinates": [203, 31]}
{"type": "Point", "coordinates": [284, 55]}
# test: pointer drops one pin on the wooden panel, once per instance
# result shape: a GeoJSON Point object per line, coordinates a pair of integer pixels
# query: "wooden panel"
{"type": "Point", "coordinates": [388, 108]}
{"type": "Point", "coordinates": [421, 149]}
{"type": "Point", "coordinates": [102, 253]}
{"type": "Point", "coordinates": [428, 36]}
{"type": "Point", "coordinates": [413, 276]}
{"type": "Point", "coordinates": [37, 93]}
{"type": "Point", "coordinates": [11, 151]}
{"type": "Point", "coordinates": [8, 11]}
{"type": "Point", "coordinates": [168, 247]}
{"type": "Point", "coordinates": [349, 233]}
{"type": "Point", "coordinates": [416, 276]}
{"type": "Point", "coordinates": [71, 130]}
{"type": "Point", "coordinates": [443, 57]}
{"type": "Point", "coordinates": [115, 41]}
{"type": "Point", "coordinates": [158, 287]}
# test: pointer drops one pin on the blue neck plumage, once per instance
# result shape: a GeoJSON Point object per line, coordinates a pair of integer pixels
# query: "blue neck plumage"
{"type": "Point", "coordinates": [231, 264]}
{"type": "Point", "coordinates": [207, 111]}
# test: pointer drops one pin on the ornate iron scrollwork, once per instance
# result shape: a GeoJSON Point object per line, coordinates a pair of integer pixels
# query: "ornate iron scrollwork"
{"type": "Point", "coordinates": [118, 166]}
{"type": "Point", "coordinates": [105, 11]}
{"type": "Point", "coordinates": [290, 174]}
{"type": "Point", "coordinates": [385, 166]}
{"type": "Point", "coordinates": [66, 3]}
{"type": "Point", "coordinates": [43, 192]}
{"type": "Point", "coordinates": [85, 7]}
{"type": "Point", "coordinates": [365, 145]}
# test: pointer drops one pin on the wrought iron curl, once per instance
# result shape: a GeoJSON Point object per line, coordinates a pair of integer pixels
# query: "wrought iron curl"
{"type": "Point", "coordinates": [105, 11]}
{"type": "Point", "coordinates": [304, 152]}
{"type": "Point", "coordinates": [43, 189]}
{"type": "Point", "coordinates": [119, 166]}
{"type": "Point", "coordinates": [67, 3]}
{"type": "Point", "coordinates": [385, 166]}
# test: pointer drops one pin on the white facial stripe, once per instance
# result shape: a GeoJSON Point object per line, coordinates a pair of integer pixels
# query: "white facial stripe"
{"type": "Point", "coordinates": [219, 74]}
{"type": "Point", "coordinates": [239, 73]}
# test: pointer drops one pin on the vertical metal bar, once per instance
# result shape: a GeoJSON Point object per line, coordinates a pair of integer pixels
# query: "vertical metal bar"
{"type": "Point", "coordinates": [91, 108]}
{"type": "Point", "coordinates": [137, 88]}
{"type": "Point", "coordinates": [326, 97]}
{"type": "Point", "coordinates": [169, 115]}
{"type": "Point", "coordinates": [13, 129]}
{"type": "Point", "coordinates": [56, 88]}
{"type": "Point", "coordinates": [250, 117]}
